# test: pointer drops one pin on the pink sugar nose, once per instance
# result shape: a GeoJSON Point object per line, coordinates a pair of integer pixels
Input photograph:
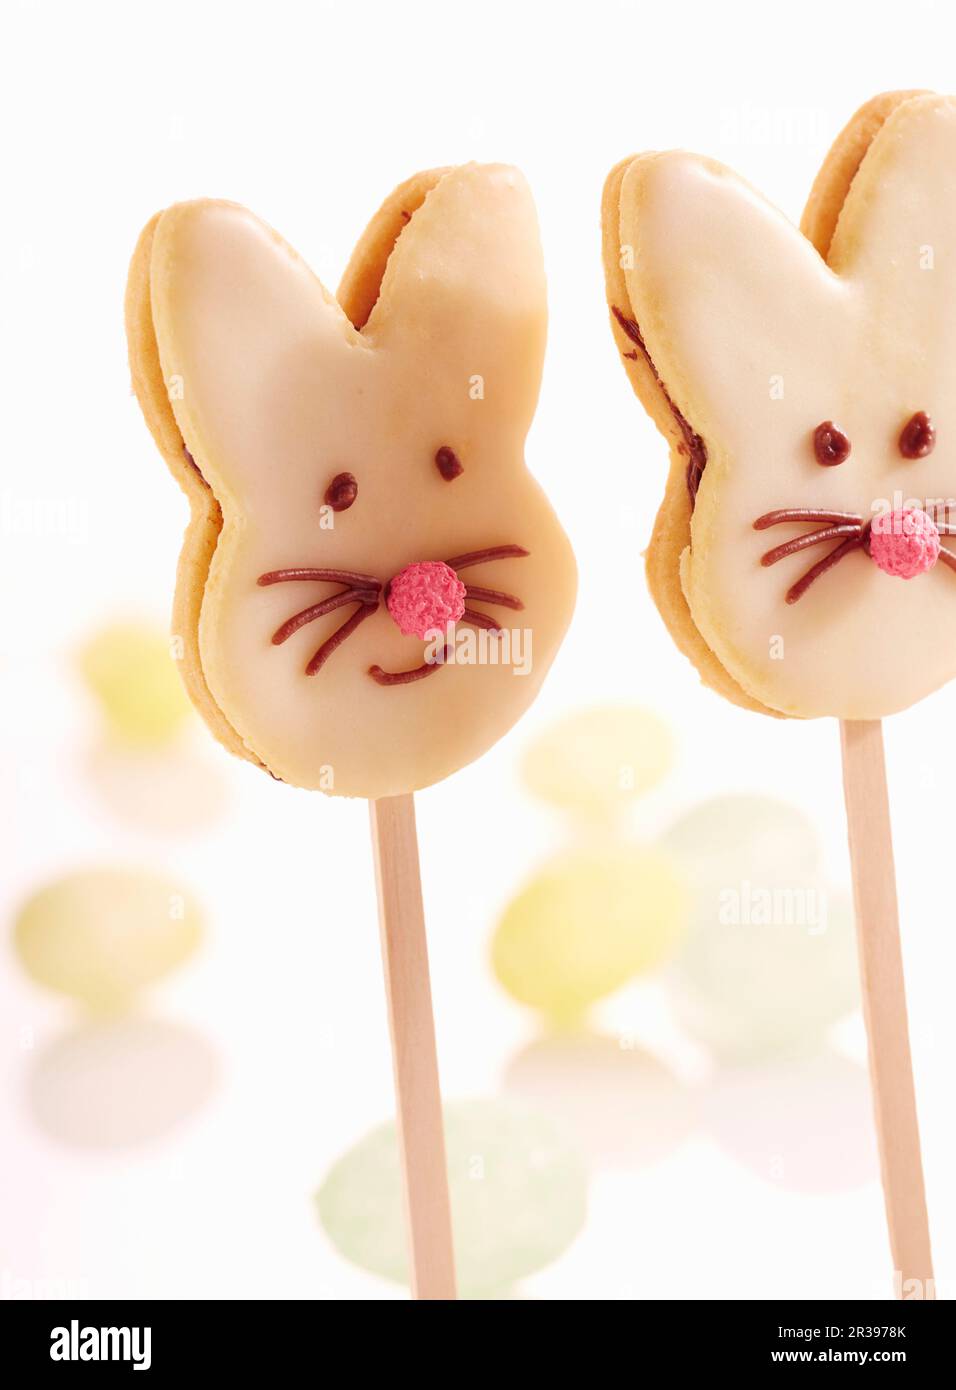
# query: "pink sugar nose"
{"type": "Point", "coordinates": [904, 542]}
{"type": "Point", "coordinates": [425, 597]}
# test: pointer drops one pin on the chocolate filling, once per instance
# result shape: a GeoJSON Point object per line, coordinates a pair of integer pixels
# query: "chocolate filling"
{"type": "Point", "coordinates": [192, 462]}
{"type": "Point", "coordinates": [693, 446]}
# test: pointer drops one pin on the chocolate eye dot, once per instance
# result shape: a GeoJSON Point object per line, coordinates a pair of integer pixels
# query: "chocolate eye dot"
{"type": "Point", "coordinates": [341, 492]}
{"type": "Point", "coordinates": [830, 444]}
{"type": "Point", "coordinates": [918, 436]}
{"type": "Point", "coordinates": [448, 463]}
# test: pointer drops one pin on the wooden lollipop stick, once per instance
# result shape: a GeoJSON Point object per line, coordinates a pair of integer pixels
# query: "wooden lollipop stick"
{"type": "Point", "coordinates": [884, 1003]}
{"type": "Point", "coordinates": [421, 1136]}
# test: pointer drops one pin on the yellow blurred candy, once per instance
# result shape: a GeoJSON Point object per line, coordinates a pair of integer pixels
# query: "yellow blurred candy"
{"type": "Point", "coordinates": [103, 934]}
{"type": "Point", "coordinates": [596, 761]}
{"type": "Point", "coordinates": [129, 669]}
{"type": "Point", "coordinates": [585, 925]}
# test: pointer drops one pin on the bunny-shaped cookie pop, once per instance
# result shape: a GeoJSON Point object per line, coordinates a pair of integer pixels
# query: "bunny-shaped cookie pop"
{"type": "Point", "coordinates": [359, 495]}
{"type": "Point", "coordinates": [801, 557]}
{"type": "Point", "coordinates": [806, 383]}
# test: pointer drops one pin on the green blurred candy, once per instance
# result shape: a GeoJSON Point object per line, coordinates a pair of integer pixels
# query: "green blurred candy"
{"type": "Point", "coordinates": [586, 925]}
{"type": "Point", "coordinates": [761, 837]}
{"type": "Point", "coordinates": [129, 669]}
{"type": "Point", "coordinates": [103, 934]}
{"type": "Point", "coordinates": [598, 760]}
{"type": "Point", "coordinates": [749, 989]}
{"type": "Point", "coordinates": [518, 1197]}
{"type": "Point", "coordinates": [769, 961]}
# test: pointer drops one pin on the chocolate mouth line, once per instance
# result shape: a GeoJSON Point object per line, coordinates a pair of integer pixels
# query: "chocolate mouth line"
{"type": "Point", "coordinates": [367, 591]}
{"type": "Point", "coordinates": [693, 446]}
{"type": "Point", "coordinates": [417, 673]}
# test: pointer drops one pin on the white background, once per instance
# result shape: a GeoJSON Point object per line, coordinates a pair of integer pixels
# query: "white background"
{"type": "Point", "coordinates": [310, 114]}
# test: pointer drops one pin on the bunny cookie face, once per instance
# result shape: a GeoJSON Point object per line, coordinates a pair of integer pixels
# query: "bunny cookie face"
{"type": "Point", "coordinates": [811, 398]}
{"type": "Point", "coordinates": [376, 525]}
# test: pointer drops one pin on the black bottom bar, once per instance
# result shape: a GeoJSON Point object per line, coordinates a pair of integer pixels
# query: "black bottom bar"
{"type": "Point", "coordinates": [59, 1340]}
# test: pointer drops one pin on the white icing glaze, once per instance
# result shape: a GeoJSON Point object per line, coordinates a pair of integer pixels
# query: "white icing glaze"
{"type": "Point", "coordinates": [281, 393]}
{"type": "Point", "coordinates": [734, 304]}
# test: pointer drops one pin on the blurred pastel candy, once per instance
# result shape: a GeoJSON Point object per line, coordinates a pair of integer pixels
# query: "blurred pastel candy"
{"type": "Point", "coordinates": [128, 667]}
{"type": "Point", "coordinates": [746, 987]}
{"type": "Point", "coordinates": [804, 1124]}
{"type": "Point", "coordinates": [769, 961]}
{"type": "Point", "coordinates": [518, 1197]}
{"type": "Point", "coordinates": [585, 925]}
{"type": "Point", "coordinates": [101, 935]}
{"type": "Point", "coordinates": [597, 760]}
{"type": "Point", "coordinates": [760, 837]}
{"type": "Point", "coordinates": [120, 1082]}
{"type": "Point", "coordinates": [173, 789]}
{"type": "Point", "coordinates": [624, 1105]}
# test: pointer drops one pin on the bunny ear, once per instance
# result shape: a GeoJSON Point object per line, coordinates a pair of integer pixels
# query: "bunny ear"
{"type": "Point", "coordinates": [721, 288]}
{"type": "Point", "coordinates": [464, 288]}
{"type": "Point", "coordinates": [898, 224]}
{"type": "Point", "coordinates": [255, 353]}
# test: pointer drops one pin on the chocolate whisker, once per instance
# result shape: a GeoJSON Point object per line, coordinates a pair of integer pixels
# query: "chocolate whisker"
{"type": "Point", "coordinates": [417, 673]}
{"type": "Point", "coordinates": [494, 552]}
{"type": "Point", "coordinates": [948, 557]}
{"type": "Point", "coordinates": [319, 610]}
{"type": "Point", "coordinates": [493, 596]}
{"type": "Point", "coordinates": [829, 533]}
{"type": "Point", "coordinates": [802, 585]}
{"type": "Point", "coordinates": [338, 637]}
{"type": "Point", "coordinates": [470, 615]}
{"type": "Point", "coordinates": [355, 581]}
{"type": "Point", "coordinates": [803, 514]}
